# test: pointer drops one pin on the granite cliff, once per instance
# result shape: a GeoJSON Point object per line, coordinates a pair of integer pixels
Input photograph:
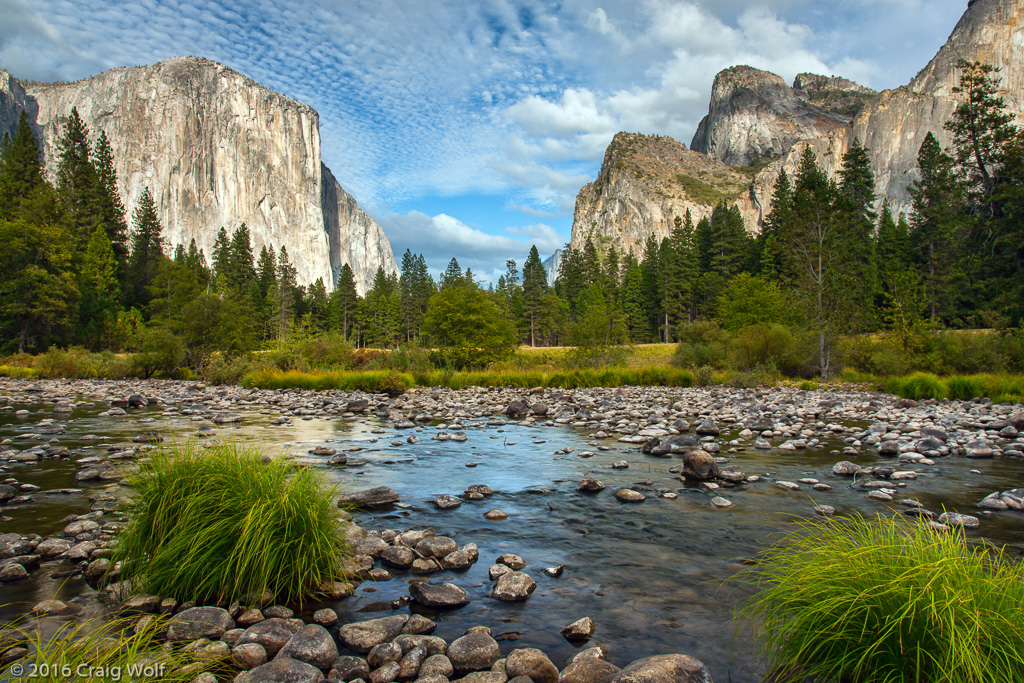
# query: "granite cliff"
{"type": "Point", "coordinates": [216, 149]}
{"type": "Point", "coordinates": [756, 118]}
{"type": "Point", "coordinates": [644, 183]}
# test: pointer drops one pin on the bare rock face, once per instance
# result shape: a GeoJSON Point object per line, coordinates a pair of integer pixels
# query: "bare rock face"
{"type": "Point", "coordinates": [895, 122]}
{"type": "Point", "coordinates": [755, 115]}
{"type": "Point", "coordinates": [216, 149]}
{"type": "Point", "coordinates": [644, 183]}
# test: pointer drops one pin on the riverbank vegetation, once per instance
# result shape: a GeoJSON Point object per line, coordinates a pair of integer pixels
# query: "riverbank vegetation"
{"type": "Point", "coordinates": [887, 600]}
{"type": "Point", "coordinates": [116, 649]}
{"type": "Point", "coordinates": [224, 523]}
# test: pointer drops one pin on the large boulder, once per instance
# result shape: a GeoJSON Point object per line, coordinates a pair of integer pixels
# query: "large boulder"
{"type": "Point", "coordinates": [361, 636]}
{"type": "Point", "coordinates": [285, 670]}
{"type": "Point", "coordinates": [532, 663]}
{"type": "Point", "coordinates": [699, 465]}
{"type": "Point", "coordinates": [445, 595]}
{"type": "Point", "coordinates": [517, 409]}
{"type": "Point", "coordinates": [378, 496]}
{"type": "Point", "coordinates": [273, 634]}
{"type": "Point", "coordinates": [313, 645]}
{"type": "Point", "coordinates": [665, 669]}
{"type": "Point", "coordinates": [200, 622]}
{"type": "Point", "coordinates": [514, 586]}
{"type": "Point", "coordinates": [589, 666]}
{"type": "Point", "coordinates": [473, 652]}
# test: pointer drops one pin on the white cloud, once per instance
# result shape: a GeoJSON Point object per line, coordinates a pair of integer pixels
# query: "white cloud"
{"type": "Point", "coordinates": [441, 237]}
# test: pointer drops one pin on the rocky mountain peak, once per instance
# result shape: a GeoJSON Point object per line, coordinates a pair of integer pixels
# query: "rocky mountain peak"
{"type": "Point", "coordinates": [755, 115]}
{"type": "Point", "coordinates": [216, 149]}
{"type": "Point", "coordinates": [646, 181]}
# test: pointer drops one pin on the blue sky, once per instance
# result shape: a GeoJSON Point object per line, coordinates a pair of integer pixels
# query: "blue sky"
{"type": "Point", "coordinates": [467, 128]}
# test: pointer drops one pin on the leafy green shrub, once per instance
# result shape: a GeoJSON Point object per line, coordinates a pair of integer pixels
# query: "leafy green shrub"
{"type": "Point", "coordinates": [222, 524]}
{"type": "Point", "coordinates": [160, 350]}
{"type": "Point", "coordinates": [919, 386]}
{"type": "Point", "coordinates": [79, 363]}
{"type": "Point", "coordinates": [887, 600]}
{"type": "Point", "coordinates": [966, 353]}
{"type": "Point", "coordinates": [762, 344]}
{"type": "Point", "coordinates": [122, 647]}
{"type": "Point", "coordinates": [225, 368]}
{"type": "Point", "coordinates": [965, 388]}
{"type": "Point", "coordinates": [808, 386]}
{"type": "Point", "coordinates": [702, 343]}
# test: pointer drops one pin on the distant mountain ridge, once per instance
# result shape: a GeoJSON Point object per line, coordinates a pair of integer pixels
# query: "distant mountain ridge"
{"type": "Point", "coordinates": [757, 125]}
{"type": "Point", "coordinates": [216, 149]}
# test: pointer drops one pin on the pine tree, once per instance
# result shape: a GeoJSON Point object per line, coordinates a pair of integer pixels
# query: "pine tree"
{"type": "Point", "coordinates": [857, 193]}
{"type": "Point", "coordinates": [146, 249]}
{"type": "Point", "coordinates": [535, 286]}
{"type": "Point", "coordinates": [285, 287]}
{"type": "Point", "coordinates": [221, 258]}
{"type": "Point", "coordinates": [780, 215]}
{"type": "Point", "coordinates": [110, 207]}
{"type": "Point", "coordinates": [241, 270]}
{"type": "Point", "coordinates": [100, 292]}
{"type": "Point", "coordinates": [343, 302]}
{"type": "Point", "coordinates": [452, 274]}
{"type": "Point", "coordinates": [939, 211]}
{"type": "Point", "coordinates": [893, 241]}
{"type": "Point", "coordinates": [77, 181]}
{"type": "Point", "coordinates": [981, 128]}
{"type": "Point", "coordinates": [21, 172]}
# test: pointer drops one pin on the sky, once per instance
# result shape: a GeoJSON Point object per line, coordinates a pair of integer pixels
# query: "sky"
{"type": "Point", "coordinates": [467, 128]}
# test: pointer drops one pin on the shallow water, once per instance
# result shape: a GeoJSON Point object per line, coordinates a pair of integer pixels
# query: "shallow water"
{"type": "Point", "coordinates": [654, 576]}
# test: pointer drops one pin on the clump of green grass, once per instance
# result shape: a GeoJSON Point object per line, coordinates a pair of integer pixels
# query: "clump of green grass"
{"type": "Point", "coordinates": [223, 523]}
{"type": "Point", "coordinates": [890, 601]}
{"type": "Point", "coordinates": [918, 386]}
{"type": "Point", "coordinates": [122, 649]}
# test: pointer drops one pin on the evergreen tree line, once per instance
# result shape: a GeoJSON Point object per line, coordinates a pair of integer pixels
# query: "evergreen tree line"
{"type": "Point", "coordinates": [824, 261]}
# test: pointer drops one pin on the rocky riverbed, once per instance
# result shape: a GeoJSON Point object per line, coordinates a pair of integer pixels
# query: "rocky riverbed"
{"type": "Point", "coordinates": [615, 515]}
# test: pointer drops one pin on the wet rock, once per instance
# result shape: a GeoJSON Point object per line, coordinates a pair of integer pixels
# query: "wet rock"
{"type": "Point", "coordinates": [580, 630]}
{"type": "Point", "coordinates": [326, 617]}
{"type": "Point", "coordinates": [446, 502]}
{"type": "Point", "coordinates": [199, 622]}
{"type": "Point", "coordinates": [845, 469]}
{"type": "Point", "coordinates": [285, 670]}
{"type": "Point", "coordinates": [249, 617]}
{"type": "Point", "coordinates": [460, 559]}
{"type": "Point", "coordinates": [361, 636]}
{"type": "Point", "coordinates": [378, 496]}
{"type": "Point", "coordinates": [473, 652]}
{"type": "Point", "coordinates": [431, 644]}
{"type": "Point", "coordinates": [436, 546]}
{"type": "Point", "coordinates": [589, 666]}
{"type": "Point", "coordinates": [956, 519]}
{"type": "Point", "coordinates": [248, 656]}
{"type": "Point", "coordinates": [398, 556]}
{"type": "Point", "coordinates": [409, 666]}
{"type": "Point", "coordinates": [511, 561]}
{"type": "Point", "coordinates": [313, 645]}
{"type": "Point", "coordinates": [438, 665]}
{"type": "Point", "coordinates": [708, 428]}
{"type": "Point", "coordinates": [513, 587]}
{"type": "Point", "coordinates": [444, 596]}
{"type": "Point", "coordinates": [272, 634]}
{"type": "Point", "coordinates": [589, 485]}
{"type": "Point", "coordinates": [720, 502]}
{"type": "Point", "coordinates": [533, 664]}
{"type": "Point", "coordinates": [664, 669]}
{"type": "Point", "coordinates": [630, 496]}
{"type": "Point", "coordinates": [384, 653]}
{"type": "Point", "coordinates": [699, 465]}
{"type": "Point", "coordinates": [495, 515]}
{"type": "Point", "coordinates": [348, 668]}
{"type": "Point", "coordinates": [226, 418]}
{"type": "Point", "coordinates": [517, 409]}
{"type": "Point", "coordinates": [53, 608]}
{"type": "Point", "coordinates": [824, 510]}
